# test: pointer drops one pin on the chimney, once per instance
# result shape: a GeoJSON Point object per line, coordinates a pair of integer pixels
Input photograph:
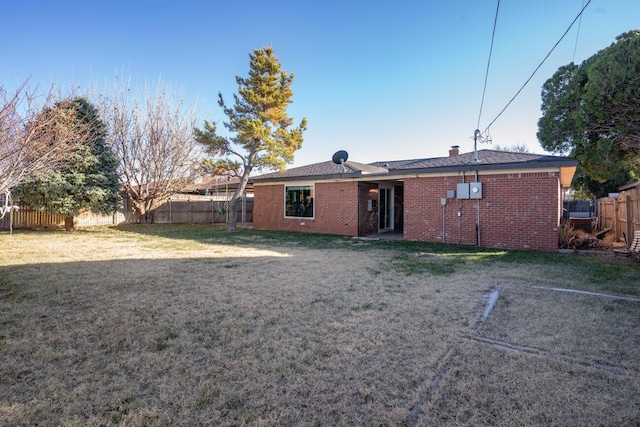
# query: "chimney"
{"type": "Point", "coordinates": [454, 151]}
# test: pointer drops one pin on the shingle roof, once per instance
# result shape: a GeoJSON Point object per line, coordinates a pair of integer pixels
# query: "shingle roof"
{"type": "Point", "coordinates": [487, 160]}
{"type": "Point", "coordinates": [325, 170]}
{"type": "Point", "coordinates": [399, 164]}
{"type": "Point", "coordinates": [211, 183]}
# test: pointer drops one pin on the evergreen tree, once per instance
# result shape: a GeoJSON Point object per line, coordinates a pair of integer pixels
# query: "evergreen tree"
{"type": "Point", "coordinates": [263, 134]}
{"type": "Point", "coordinates": [592, 112]}
{"type": "Point", "coordinates": [89, 178]}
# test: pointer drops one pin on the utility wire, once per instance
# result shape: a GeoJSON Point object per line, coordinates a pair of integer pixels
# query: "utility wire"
{"type": "Point", "coordinates": [575, 47]}
{"type": "Point", "coordinates": [486, 76]}
{"type": "Point", "coordinates": [540, 65]}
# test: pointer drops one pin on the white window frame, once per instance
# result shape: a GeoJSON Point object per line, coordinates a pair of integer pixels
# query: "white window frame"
{"type": "Point", "coordinates": [311, 186]}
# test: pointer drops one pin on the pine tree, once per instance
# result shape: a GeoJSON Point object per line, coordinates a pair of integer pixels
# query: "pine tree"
{"type": "Point", "coordinates": [89, 179]}
{"type": "Point", "coordinates": [263, 137]}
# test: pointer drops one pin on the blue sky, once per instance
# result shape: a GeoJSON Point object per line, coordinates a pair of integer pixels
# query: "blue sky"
{"type": "Point", "coordinates": [383, 80]}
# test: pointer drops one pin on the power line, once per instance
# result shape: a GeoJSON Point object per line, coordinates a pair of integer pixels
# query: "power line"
{"type": "Point", "coordinates": [540, 65]}
{"type": "Point", "coordinates": [575, 47]}
{"type": "Point", "coordinates": [486, 75]}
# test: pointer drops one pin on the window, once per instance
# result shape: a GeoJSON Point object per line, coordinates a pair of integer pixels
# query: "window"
{"type": "Point", "coordinates": [298, 201]}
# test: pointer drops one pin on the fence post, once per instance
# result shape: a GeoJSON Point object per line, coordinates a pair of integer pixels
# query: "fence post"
{"type": "Point", "coordinates": [629, 220]}
{"type": "Point", "coordinates": [614, 220]}
{"type": "Point", "coordinates": [244, 207]}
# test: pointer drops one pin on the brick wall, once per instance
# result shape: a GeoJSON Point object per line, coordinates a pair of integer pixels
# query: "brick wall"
{"type": "Point", "coordinates": [517, 211]}
{"type": "Point", "coordinates": [335, 209]}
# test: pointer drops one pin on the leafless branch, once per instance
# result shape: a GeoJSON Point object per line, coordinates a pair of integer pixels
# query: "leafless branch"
{"type": "Point", "coordinates": [34, 136]}
{"type": "Point", "coordinates": [152, 134]}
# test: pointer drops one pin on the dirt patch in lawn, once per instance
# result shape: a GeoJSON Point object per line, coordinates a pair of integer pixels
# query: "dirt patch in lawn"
{"type": "Point", "coordinates": [118, 328]}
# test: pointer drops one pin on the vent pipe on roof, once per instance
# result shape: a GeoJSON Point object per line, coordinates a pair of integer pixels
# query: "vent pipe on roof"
{"type": "Point", "coordinates": [454, 151]}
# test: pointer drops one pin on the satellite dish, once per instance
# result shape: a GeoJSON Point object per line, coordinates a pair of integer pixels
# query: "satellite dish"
{"type": "Point", "coordinates": [340, 157]}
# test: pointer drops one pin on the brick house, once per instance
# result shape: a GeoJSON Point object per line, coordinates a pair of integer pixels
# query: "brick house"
{"type": "Point", "coordinates": [490, 198]}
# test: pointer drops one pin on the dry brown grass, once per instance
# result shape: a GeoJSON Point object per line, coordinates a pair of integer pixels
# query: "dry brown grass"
{"type": "Point", "coordinates": [120, 328]}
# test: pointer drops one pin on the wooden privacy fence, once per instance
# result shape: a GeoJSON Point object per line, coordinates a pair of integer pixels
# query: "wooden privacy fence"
{"type": "Point", "coordinates": [178, 210]}
{"type": "Point", "coordinates": [620, 214]}
{"type": "Point", "coordinates": [26, 217]}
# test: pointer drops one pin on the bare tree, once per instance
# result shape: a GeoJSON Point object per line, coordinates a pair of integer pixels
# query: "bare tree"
{"type": "Point", "coordinates": [515, 148]}
{"type": "Point", "coordinates": [34, 136]}
{"type": "Point", "coordinates": [152, 134]}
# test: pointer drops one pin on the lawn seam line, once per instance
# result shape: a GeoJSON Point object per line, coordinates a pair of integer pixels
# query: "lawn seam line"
{"type": "Point", "coordinates": [448, 360]}
{"type": "Point", "coordinates": [491, 298]}
{"type": "Point", "coordinates": [425, 397]}
{"type": "Point", "coordinates": [618, 370]}
{"type": "Point", "coordinates": [596, 294]}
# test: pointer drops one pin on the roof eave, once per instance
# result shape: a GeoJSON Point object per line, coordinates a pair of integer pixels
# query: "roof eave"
{"type": "Point", "coordinates": [534, 164]}
{"type": "Point", "coordinates": [258, 180]}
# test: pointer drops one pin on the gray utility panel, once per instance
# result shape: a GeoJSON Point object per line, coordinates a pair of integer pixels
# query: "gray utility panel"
{"type": "Point", "coordinates": [471, 190]}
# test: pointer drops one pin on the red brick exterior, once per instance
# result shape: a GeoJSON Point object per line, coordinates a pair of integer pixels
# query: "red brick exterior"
{"type": "Point", "coordinates": [516, 211]}
{"type": "Point", "coordinates": [335, 209]}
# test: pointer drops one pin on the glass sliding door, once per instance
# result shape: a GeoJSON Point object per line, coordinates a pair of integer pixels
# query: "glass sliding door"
{"type": "Point", "coordinates": [385, 205]}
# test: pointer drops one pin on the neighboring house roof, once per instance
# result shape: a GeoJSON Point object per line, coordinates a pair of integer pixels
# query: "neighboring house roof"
{"type": "Point", "coordinates": [629, 186]}
{"type": "Point", "coordinates": [212, 183]}
{"type": "Point", "coordinates": [487, 160]}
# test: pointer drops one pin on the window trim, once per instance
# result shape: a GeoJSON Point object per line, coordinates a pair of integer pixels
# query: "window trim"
{"type": "Point", "coordinates": [312, 187]}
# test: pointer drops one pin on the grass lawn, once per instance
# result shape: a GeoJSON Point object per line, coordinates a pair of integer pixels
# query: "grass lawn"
{"type": "Point", "coordinates": [190, 325]}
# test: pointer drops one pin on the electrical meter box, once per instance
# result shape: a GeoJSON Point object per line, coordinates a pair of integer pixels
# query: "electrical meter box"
{"type": "Point", "coordinates": [463, 190]}
{"type": "Point", "coordinates": [475, 190]}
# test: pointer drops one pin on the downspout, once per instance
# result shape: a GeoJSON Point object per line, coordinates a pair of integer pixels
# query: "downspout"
{"type": "Point", "coordinates": [460, 211]}
{"type": "Point", "coordinates": [478, 205]}
{"type": "Point", "coordinates": [460, 223]}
